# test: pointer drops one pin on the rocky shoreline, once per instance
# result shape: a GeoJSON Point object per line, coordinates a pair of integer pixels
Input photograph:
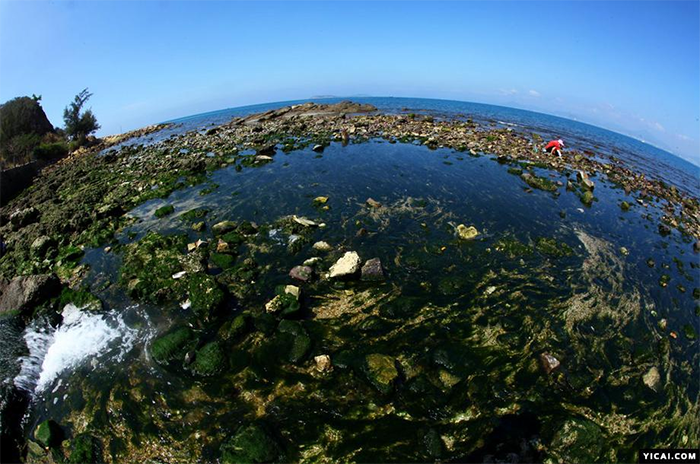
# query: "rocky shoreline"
{"type": "Point", "coordinates": [82, 202]}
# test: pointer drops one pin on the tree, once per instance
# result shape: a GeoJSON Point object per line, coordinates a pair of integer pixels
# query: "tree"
{"type": "Point", "coordinates": [79, 126]}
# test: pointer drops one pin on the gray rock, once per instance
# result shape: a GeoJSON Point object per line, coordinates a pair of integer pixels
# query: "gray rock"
{"type": "Point", "coordinates": [318, 148]}
{"type": "Point", "coordinates": [346, 266]}
{"type": "Point", "coordinates": [322, 246]}
{"type": "Point", "coordinates": [373, 270]}
{"type": "Point", "coordinates": [585, 181]}
{"type": "Point", "coordinates": [41, 245]}
{"type": "Point", "coordinates": [223, 227]}
{"type": "Point", "coordinates": [301, 273]}
{"type": "Point", "coordinates": [24, 293]}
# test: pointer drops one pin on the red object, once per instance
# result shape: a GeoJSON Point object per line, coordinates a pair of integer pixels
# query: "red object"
{"type": "Point", "coordinates": [553, 144]}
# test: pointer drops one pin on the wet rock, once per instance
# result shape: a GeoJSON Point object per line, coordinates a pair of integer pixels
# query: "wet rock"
{"type": "Point", "coordinates": [48, 434]}
{"type": "Point", "coordinates": [209, 360]}
{"type": "Point", "coordinates": [433, 443]}
{"type": "Point", "coordinates": [323, 363]}
{"type": "Point", "coordinates": [664, 230]}
{"type": "Point", "coordinates": [372, 203]}
{"type": "Point", "coordinates": [164, 211]}
{"type": "Point", "coordinates": [171, 346]}
{"type": "Point", "coordinates": [300, 341]}
{"type": "Point", "coordinates": [85, 448]}
{"type": "Point", "coordinates": [322, 246]}
{"type": "Point", "coordinates": [301, 273]}
{"type": "Point", "coordinates": [24, 293]}
{"type": "Point", "coordinates": [311, 262]}
{"type": "Point", "coordinates": [223, 260]}
{"type": "Point", "coordinates": [624, 206]}
{"type": "Point", "coordinates": [466, 233]}
{"type": "Point", "coordinates": [267, 151]}
{"type": "Point", "coordinates": [549, 363]}
{"type": "Point", "coordinates": [41, 245]}
{"type": "Point", "coordinates": [24, 217]}
{"type": "Point", "coordinates": [251, 444]}
{"type": "Point", "coordinates": [205, 294]}
{"type": "Point", "coordinates": [222, 247]}
{"type": "Point", "coordinates": [318, 201]}
{"type": "Point", "coordinates": [381, 372]}
{"type": "Point", "coordinates": [652, 379]}
{"type": "Point", "coordinates": [577, 440]}
{"type": "Point", "coordinates": [286, 302]}
{"type": "Point", "coordinates": [372, 270]}
{"type": "Point", "coordinates": [346, 266]}
{"type": "Point", "coordinates": [585, 182]}
{"type": "Point", "coordinates": [304, 221]}
{"type": "Point", "coordinates": [318, 148]}
{"type": "Point", "coordinates": [199, 226]}
{"type": "Point", "coordinates": [223, 227]}
{"type": "Point", "coordinates": [696, 246]}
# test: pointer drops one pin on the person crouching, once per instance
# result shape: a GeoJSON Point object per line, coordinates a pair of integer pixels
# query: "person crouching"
{"type": "Point", "coordinates": [554, 146]}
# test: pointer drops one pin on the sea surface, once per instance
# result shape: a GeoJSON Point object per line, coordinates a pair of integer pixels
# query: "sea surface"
{"type": "Point", "coordinates": [465, 321]}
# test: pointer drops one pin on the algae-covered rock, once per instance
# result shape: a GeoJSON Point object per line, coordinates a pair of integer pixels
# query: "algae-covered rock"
{"type": "Point", "coordinates": [551, 247]}
{"type": "Point", "coordinates": [467, 233]}
{"type": "Point", "coordinates": [224, 261]}
{"type": "Point", "coordinates": [223, 227]}
{"type": "Point", "coordinates": [381, 372]}
{"type": "Point", "coordinates": [235, 328]}
{"type": "Point", "coordinates": [163, 211]}
{"type": "Point", "coordinates": [539, 183]}
{"type": "Point", "coordinates": [205, 294]}
{"type": "Point", "coordinates": [251, 444]}
{"type": "Point", "coordinates": [48, 434]}
{"type": "Point", "coordinates": [85, 449]}
{"type": "Point", "coordinates": [209, 360]}
{"type": "Point", "coordinates": [171, 346]}
{"type": "Point", "coordinates": [81, 298]}
{"type": "Point", "coordinates": [577, 440]}
{"type": "Point", "coordinates": [299, 341]}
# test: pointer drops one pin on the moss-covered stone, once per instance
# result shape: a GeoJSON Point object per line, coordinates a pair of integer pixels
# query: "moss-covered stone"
{"type": "Point", "coordinates": [205, 294]}
{"type": "Point", "coordinates": [222, 260]}
{"type": "Point", "coordinates": [171, 346]}
{"type": "Point", "coordinates": [194, 214]}
{"type": "Point", "coordinates": [381, 372]}
{"type": "Point", "coordinates": [513, 248]}
{"type": "Point", "coordinates": [48, 434]}
{"type": "Point", "coordinates": [85, 449]}
{"type": "Point", "coordinates": [539, 183]}
{"type": "Point", "coordinates": [298, 340]}
{"type": "Point", "coordinates": [164, 211]}
{"type": "Point", "coordinates": [81, 298]}
{"type": "Point", "coordinates": [209, 360]}
{"type": "Point", "coordinates": [251, 444]}
{"type": "Point", "coordinates": [577, 440]}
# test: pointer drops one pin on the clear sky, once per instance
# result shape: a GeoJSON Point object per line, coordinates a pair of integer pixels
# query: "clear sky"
{"type": "Point", "coordinates": [632, 67]}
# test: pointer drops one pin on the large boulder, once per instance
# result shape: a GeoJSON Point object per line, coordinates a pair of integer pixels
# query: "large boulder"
{"type": "Point", "coordinates": [251, 444]}
{"type": "Point", "coordinates": [22, 294]}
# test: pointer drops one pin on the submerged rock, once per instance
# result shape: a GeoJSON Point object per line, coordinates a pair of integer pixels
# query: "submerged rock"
{"type": "Point", "coordinates": [85, 448]}
{"type": "Point", "coordinates": [48, 434]}
{"type": "Point", "coordinates": [577, 440]}
{"type": "Point", "coordinates": [164, 211]}
{"type": "Point", "coordinates": [250, 445]}
{"type": "Point", "coordinates": [652, 379]}
{"type": "Point", "coordinates": [300, 342]}
{"type": "Point", "coordinates": [171, 346]}
{"type": "Point", "coordinates": [466, 233]}
{"type": "Point", "coordinates": [318, 148]}
{"type": "Point", "coordinates": [372, 270]}
{"type": "Point", "coordinates": [323, 363]}
{"type": "Point", "coordinates": [223, 227]}
{"type": "Point", "coordinates": [209, 360]}
{"type": "Point", "coordinates": [584, 180]}
{"type": "Point", "coordinates": [304, 221]}
{"type": "Point", "coordinates": [346, 266]}
{"type": "Point", "coordinates": [373, 203]}
{"type": "Point", "coordinates": [381, 372]}
{"type": "Point", "coordinates": [205, 294]}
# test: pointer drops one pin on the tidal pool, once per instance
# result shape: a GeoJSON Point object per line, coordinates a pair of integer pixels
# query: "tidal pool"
{"type": "Point", "coordinates": [448, 358]}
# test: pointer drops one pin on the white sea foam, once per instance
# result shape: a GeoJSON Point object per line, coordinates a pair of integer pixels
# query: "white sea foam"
{"type": "Point", "coordinates": [82, 336]}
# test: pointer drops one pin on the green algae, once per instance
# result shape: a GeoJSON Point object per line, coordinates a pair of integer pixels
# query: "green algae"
{"type": "Point", "coordinates": [250, 445]}
{"type": "Point", "coordinates": [209, 360]}
{"type": "Point", "coordinates": [194, 215]}
{"type": "Point", "coordinates": [205, 294]}
{"type": "Point", "coordinates": [163, 211]}
{"type": "Point", "coordinates": [552, 247]}
{"type": "Point", "coordinates": [171, 346]}
{"type": "Point", "coordinates": [539, 183]}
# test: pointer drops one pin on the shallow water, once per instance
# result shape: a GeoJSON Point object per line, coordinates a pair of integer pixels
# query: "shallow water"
{"type": "Point", "coordinates": [465, 322]}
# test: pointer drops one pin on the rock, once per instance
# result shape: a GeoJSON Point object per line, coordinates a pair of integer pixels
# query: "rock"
{"type": "Point", "coordinates": [301, 273]}
{"type": "Point", "coordinates": [549, 363]}
{"type": "Point", "coordinates": [577, 440]}
{"type": "Point", "coordinates": [205, 294]}
{"type": "Point", "coordinates": [292, 290]}
{"type": "Point", "coordinates": [320, 201]}
{"type": "Point", "coordinates": [25, 293]}
{"type": "Point", "coordinates": [311, 262]}
{"type": "Point", "coordinates": [323, 363]}
{"type": "Point", "coordinates": [41, 245]}
{"type": "Point", "coordinates": [223, 227]}
{"type": "Point", "coordinates": [696, 246]}
{"type": "Point", "coordinates": [584, 180]}
{"type": "Point", "coordinates": [222, 247]}
{"type": "Point", "coordinates": [209, 360]}
{"type": "Point", "coordinates": [267, 151]}
{"type": "Point", "coordinates": [466, 233]}
{"type": "Point", "coordinates": [652, 379]}
{"type": "Point", "coordinates": [373, 203]}
{"type": "Point", "coordinates": [346, 266]}
{"type": "Point", "coordinates": [171, 346]}
{"type": "Point", "coordinates": [48, 434]}
{"type": "Point", "coordinates": [179, 275]}
{"type": "Point", "coordinates": [322, 246]}
{"type": "Point", "coordinates": [372, 270]}
{"type": "Point", "coordinates": [24, 217]}
{"type": "Point", "coordinates": [287, 303]}
{"type": "Point", "coordinates": [164, 211]}
{"type": "Point", "coordinates": [250, 445]}
{"type": "Point", "coordinates": [274, 305]}
{"type": "Point", "coordinates": [304, 221]}
{"type": "Point", "coordinates": [199, 226]}
{"type": "Point", "coordinates": [262, 159]}
{"type": "Point", "coordinates": [624, 251]}
{"type": "Point", "coordinates": [318, 148]}
{"type": "Point", "coordinates": [664, 229]}
{"type": "Point", "coordinates": [85, 448]}
{"type": "Point", "coordinates": [381, 372]}
{"type": "Point", "coordinates": [300, 342]}
{"type": "Point", "coordinates": [624, 206]}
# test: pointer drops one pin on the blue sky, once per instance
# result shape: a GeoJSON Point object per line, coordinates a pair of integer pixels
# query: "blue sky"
{"type": "Point", "coordinates": [632, 67]}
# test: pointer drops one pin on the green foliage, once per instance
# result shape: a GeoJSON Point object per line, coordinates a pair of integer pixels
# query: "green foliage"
{"type": "Point", "coordinates": [79, 124]}
{"type": "Point", "coordinates": [47, 151]}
